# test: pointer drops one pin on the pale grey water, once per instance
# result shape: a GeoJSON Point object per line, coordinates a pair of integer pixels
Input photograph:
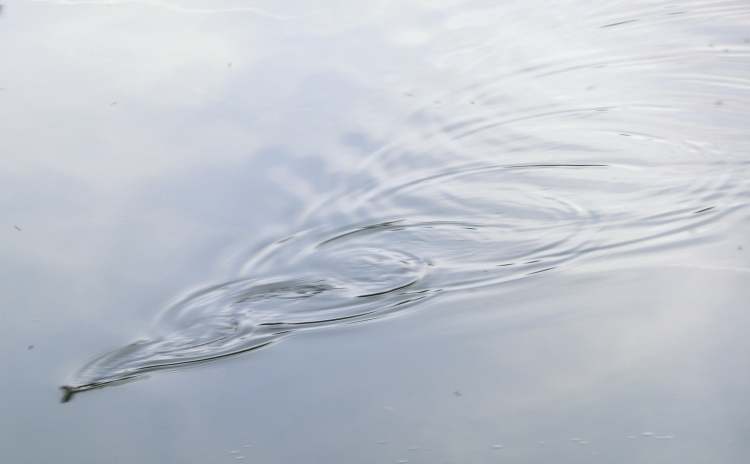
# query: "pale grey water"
{"type": "Point", "coordinates": [473, 231]}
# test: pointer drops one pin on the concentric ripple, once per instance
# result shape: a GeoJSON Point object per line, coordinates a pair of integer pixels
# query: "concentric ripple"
{"type": "Point", "coordinates": [519, 170]}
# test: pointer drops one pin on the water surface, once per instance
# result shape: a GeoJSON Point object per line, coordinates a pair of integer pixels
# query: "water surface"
{"type": "Point", "coordinates": [459, 231]}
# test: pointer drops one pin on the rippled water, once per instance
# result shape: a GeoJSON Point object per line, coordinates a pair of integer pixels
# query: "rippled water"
{"type": "Point", "coordinates": [365, 161]}
{"type": "Point", "coordinates": [530, 166]}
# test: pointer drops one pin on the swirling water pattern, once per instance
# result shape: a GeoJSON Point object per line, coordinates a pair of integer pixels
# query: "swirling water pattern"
{"type": "Point", "coordinates": [487, 186]}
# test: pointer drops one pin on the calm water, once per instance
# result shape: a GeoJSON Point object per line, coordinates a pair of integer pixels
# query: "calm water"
{"type": "Point", "coordinates": [413, 231]}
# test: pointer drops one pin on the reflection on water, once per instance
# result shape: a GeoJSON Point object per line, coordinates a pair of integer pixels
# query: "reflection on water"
{"type": "Point", "coordinates": [487, 186]}
{"type": "Point", "coordinates": [347, 162]}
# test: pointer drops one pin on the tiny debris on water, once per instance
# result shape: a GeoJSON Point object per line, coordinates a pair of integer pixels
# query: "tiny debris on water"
{"type": "Point", "coordinates": [457, 393]}
{"type": "Point", "coordinates": [497, 447]}
{"type": "Point", "coordinates": [30, 347]}
{"type": "Point", "coordinates": [17, 228]}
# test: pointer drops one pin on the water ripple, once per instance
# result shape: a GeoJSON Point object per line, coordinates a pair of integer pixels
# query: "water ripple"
{"type": "Point", "coordinates": [485, 189]}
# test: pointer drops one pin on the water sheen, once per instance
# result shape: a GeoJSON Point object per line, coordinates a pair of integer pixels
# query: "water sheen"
{"type": "Point", "coordinates": [514, 169]}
